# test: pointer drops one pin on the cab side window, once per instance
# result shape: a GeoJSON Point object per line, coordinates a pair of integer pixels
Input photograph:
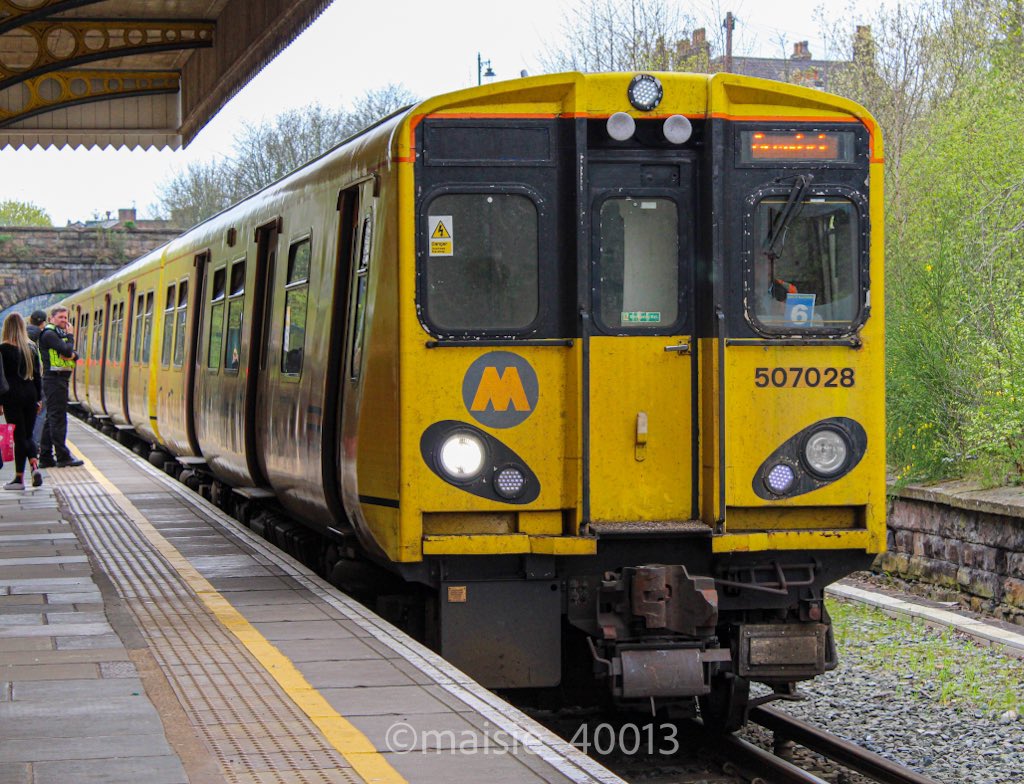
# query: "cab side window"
{"type": "Point", "coordinates": [295, 304]}
{"type": "Point", "coordinates": [362, 278]}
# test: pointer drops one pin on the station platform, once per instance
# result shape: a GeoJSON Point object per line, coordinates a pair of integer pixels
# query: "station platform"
{"type": "Point", "coordinates": [145, 636]}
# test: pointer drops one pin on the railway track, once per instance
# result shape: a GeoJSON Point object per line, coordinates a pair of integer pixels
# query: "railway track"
{"type": "Point", "coordinates": [646, 750]}
{"type": "Point", "coordinates": [873, 766]}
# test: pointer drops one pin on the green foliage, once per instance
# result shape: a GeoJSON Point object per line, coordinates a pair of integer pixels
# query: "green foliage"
{"type": "Point", "coordinates": [946, 666]}
{"type": "Point", "coordinates": [955, 284]}
{"type": "Point", "coordinates": [22, 213]}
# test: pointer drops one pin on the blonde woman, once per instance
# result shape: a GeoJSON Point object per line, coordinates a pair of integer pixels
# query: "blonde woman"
{"type": "Point", "coordinates": [23, 399]}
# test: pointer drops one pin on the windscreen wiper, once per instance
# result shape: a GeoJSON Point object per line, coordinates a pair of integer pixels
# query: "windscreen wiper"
{"type": "Point", "coordinates": [775, 240]}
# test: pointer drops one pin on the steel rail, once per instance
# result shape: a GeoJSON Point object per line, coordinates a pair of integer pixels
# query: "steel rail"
{"type": "Point", "coordinates": [835, 748]}
{"type": "Point", "coordinates": [760, 765]}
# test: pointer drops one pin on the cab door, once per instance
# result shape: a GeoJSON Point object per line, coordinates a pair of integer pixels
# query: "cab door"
{"type": "Point", "coordinates": [640, 446]}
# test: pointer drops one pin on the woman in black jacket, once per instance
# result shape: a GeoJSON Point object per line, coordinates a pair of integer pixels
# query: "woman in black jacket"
{"type": "Point", "coordinates": [22, 401]}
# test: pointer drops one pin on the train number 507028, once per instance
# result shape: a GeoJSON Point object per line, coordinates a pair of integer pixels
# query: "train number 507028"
{"type": "Point", "coordinates": [804, 377]}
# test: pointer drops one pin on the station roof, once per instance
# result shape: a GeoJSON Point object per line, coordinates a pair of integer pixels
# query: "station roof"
{"type": "Point", "coordinates": [138, 74]}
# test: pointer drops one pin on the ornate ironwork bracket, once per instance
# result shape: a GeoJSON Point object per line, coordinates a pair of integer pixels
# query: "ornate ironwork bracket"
{"type": "Point", "coordinates": [54, 45]}
{"type": "Point", "coordinates": [60, 89]}
{"type": "Point", "coordinates": [15, 13]}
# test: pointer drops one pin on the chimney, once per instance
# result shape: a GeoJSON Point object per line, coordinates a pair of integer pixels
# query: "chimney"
{"type": "Point", "coordinates": [699, 36]}
{"type": "Point", "coordinates": [801, 51]}
{"type": "Point", "coordinates": [125, 215]}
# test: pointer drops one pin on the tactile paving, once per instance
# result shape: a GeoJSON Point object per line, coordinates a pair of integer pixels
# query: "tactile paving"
{"type": "Point", "coordinates": [255, 730]}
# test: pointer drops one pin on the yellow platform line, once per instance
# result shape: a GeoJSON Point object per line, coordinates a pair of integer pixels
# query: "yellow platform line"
{"type": "Point", "coordinates": [350, 742]}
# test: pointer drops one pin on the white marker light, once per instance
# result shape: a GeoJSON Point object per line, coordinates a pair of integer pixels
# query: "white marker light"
{"type": "Point", "coordinates": [621, 126]}
{"type": "Point", "coordinates": [677, 129]}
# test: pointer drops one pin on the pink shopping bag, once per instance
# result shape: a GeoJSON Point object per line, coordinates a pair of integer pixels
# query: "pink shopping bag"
{"type": "Point", "coordinates": [6, 442]}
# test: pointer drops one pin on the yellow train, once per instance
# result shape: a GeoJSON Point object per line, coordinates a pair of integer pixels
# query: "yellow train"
{"type": "Point", "coordinates": [586, 357]}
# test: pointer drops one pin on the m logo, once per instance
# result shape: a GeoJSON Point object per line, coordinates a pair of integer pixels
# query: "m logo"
{"type": "Point", "coordinates": [500, 389]}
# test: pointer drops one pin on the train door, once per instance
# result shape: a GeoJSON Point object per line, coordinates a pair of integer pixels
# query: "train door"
{"type": "Point", "coordinates": [129, 314]}
{"type": "Point", "coordinates": [348, 231]}
{"type": "Point", "coordinates": [78, 326]}
{"type": "Point", "coordinates": [194, 356]}
{"type": "Point", "coordinates": [257, 392]}
{"type": "Point", "coordinates": [100, 352]}
{"type": "Point", "coordinates": [639, 404]}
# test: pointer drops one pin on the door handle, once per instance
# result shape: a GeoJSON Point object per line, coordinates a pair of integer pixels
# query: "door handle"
{"type": "Point", "coordinates": [682, 348]}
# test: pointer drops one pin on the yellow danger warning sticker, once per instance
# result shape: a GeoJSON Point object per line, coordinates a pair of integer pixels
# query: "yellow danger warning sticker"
{"type": "Point", "coordinates": [442, 235]}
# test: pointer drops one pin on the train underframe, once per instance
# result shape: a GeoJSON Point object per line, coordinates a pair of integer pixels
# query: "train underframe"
{"type": "Point", "coordinates": [657, 635]}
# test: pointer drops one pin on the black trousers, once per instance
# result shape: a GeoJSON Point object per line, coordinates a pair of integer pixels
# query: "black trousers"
{"type": "Point", "coordinates": [55, 432]}
{"type": "Point", "coordinates": [23, 417]}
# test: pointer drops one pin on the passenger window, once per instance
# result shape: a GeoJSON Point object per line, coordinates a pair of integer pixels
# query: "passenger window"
{"type": "Point", "coordinates": [233, 338]}
{"type": "Point", "coordinates": [362, 273]}
{"type": "Point", "coordinates": [83, 336]}
{"type": "Point", "coordinates": [638, 264]}
{"type": "Point", "coordinates": [139, 316]}
{"type": "Point", "coordinates": [97, 335]}
{"type": "Point", "coordinates": [117, 334]}
{"type": "Point", "coordinates": [179, 334]}
{"type": "Point", "coordinates": [147, 328]}
{"type": "Point", "coordinates": [295, 302]}
{"type": "Point", "coordinates": [168, 337]}
{"type": "Point", "coordinates": [805, 264]}
{"type": "Point", "coordinates": [216, 320]}
{"type": "Point", "coordinates": [482, 266]}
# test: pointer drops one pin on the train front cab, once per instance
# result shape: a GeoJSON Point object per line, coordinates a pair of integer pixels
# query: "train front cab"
{"type": "Point", "coordinates": [642, 384]}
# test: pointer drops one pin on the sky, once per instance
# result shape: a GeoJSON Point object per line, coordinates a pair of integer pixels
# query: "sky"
{"type": "Point", "coordinates": [430, 48]}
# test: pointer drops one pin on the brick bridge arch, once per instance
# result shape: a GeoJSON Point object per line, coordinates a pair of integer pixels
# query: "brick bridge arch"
{"type": "Point", "coordinates": [37, 261]}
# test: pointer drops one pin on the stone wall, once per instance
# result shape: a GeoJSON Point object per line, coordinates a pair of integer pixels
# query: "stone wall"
{"type": "Point", "coordinates": [43, 260]}
{"type": "Point", "coordinates": [963, 542]}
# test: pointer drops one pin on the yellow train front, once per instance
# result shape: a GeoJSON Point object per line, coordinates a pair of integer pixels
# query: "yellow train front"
{"type": "Point", "coordinates": [641, 377]}
{"type": "Point", "coordinates": [595, 359]}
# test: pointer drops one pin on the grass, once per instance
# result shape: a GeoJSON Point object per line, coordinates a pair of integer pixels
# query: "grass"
{"type": "Point", "coordinates": [938, 664]}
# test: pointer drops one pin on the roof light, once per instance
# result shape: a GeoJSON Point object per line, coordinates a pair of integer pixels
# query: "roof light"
{"type": "Point", "coordinates": [645, 92]}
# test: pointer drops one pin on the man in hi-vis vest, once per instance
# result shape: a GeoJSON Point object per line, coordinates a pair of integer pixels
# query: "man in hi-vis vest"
{"type": "Point", "coordinates": [57, 348]}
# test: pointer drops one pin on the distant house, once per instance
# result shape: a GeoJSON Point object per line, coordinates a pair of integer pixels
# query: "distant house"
{"type": "Point", "coordinates": [799, 68]}
{"type": "Point", "coordinates": [125, 220]}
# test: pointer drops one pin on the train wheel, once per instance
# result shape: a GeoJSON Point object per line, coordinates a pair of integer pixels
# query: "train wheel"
{"type": "Point", "coordinates": [725, 708]}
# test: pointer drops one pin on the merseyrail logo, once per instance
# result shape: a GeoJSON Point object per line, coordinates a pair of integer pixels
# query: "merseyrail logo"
{"type": "Point", "coordinates": [500, 389]}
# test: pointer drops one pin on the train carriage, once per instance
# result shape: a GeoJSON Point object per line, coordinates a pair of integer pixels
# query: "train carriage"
{"type": "Point", "coordinates": [584, 356]}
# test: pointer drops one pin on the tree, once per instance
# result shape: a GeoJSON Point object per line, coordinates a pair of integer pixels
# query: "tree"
{"type": "Point", "coordinates": [905, 62]}
{"type": "Point", "coordinates": [22, 213]}
{"type": "Point", "coordinates": [267, 151]}
{"type": "Point", "coordinates": [619, 35]}
{"type": "Point", "coordinates": [955, 276]}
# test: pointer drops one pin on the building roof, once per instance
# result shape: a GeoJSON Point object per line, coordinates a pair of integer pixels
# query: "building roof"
{"type": "Point", "coordinates": [138, 74]}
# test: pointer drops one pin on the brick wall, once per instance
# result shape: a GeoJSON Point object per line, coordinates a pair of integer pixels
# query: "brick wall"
{"type": "Point", "coordinates": [963, 540]}
{"type": "Point", "coordinates": [42, 260]}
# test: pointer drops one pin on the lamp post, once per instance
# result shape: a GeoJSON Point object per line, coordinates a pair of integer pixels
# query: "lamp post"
{"type": "Point", "coordinates": [481, 74]}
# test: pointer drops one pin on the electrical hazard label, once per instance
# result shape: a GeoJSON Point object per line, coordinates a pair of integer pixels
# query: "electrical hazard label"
{"type": "Point", "coordinates": [442, 235]}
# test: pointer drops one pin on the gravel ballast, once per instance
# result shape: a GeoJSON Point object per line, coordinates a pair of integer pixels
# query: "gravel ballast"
{"type": "Point", "coordinates": [928, 698]}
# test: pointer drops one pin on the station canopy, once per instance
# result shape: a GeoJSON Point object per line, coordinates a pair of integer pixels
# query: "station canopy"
{"type": "Point", "coordinates": [137, 74]}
